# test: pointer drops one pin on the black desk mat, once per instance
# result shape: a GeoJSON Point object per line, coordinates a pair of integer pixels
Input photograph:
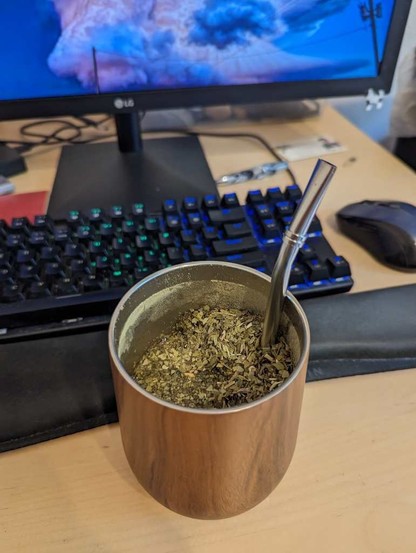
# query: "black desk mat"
{"type": "Point", "coordinates": [51, 387]}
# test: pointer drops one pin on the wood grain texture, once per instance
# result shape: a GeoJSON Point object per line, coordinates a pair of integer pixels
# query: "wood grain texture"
{"type": "Point", "coordinates": [204, 463]}
{"type": "Point", "coordinates": [209, 466]}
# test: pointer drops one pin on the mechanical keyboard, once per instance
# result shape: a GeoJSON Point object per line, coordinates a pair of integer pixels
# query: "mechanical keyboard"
{"type": "Point", "coordinates": [58, 273]}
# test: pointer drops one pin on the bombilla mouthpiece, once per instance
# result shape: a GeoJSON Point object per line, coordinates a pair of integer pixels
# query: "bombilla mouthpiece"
{"type": "Point", "coordinates": [294, 239]}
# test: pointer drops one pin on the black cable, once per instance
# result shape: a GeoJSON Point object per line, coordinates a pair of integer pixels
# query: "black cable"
{"type": "Point", "coordinates": [55, 137]}
{"type": "Point", "coordinates": [18, 142]}
{"type": "Point", "coordinates": [251, 136]}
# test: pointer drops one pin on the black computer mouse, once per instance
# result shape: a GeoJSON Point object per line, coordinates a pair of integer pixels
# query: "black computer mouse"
{"type": "Point", "coordinates": [387, 229]}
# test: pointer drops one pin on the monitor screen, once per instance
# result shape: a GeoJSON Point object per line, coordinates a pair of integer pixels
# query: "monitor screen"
{"type": "Point", "coordinates": [61, 48]}
{"type": "Point", "coordinates": [75, 57]}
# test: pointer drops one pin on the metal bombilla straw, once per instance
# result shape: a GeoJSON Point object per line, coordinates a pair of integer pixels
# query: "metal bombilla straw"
{"type": "Point", "coordinates": [293, 239]}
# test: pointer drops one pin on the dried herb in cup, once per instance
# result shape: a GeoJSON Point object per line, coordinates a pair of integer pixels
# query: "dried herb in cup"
{"type": "Point", "coordinates": [212, 359]}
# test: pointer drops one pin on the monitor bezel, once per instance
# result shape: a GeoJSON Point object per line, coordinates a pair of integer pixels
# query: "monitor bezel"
{"type": "Point", "coordinates": [219, 95]}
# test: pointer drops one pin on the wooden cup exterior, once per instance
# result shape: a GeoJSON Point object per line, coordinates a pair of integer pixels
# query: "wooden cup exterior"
{"type": "Point", "coordinates": [204, 463]}
{"type": "Point", "coordinates": [209, 466]}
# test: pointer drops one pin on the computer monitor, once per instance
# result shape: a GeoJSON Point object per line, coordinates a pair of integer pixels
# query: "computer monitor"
{"type": "Point", "coordinates": [67, 57]}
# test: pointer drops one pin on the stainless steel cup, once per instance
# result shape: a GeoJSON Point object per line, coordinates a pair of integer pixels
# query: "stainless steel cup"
{"type": "Point", "coordinates": [204, 463]}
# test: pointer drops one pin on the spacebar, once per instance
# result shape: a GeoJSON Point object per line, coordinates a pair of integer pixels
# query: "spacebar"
{"type": "Point", "coordinates": [250, 259]}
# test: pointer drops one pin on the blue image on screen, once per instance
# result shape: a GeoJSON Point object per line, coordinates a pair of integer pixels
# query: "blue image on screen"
{"type": "Point", "coordinates": [55, 48]}
{"type": "Point", "coordinates": [30, 30]}
{"type": "Point", "coordinates": [344, 38]}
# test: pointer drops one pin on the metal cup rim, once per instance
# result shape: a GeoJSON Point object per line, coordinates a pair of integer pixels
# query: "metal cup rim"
{"type": "Point", "coordinates": [194, 410]}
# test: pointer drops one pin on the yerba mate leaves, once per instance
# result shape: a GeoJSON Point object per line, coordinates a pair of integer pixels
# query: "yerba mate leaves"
{"type": "Point", "coordinates": [212, 359]}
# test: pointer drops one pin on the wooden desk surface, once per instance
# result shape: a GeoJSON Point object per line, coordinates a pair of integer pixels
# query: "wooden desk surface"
{"type": "Point", "coordinates": [352, 484]}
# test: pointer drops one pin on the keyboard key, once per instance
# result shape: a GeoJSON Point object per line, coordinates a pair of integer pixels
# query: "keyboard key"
{"type": "Point", "coordinates": [188, 236]}
{"type": "Point", "coordinates": [194, 220]}
{"type": "Point", "coordinates": [293, 192]}
{"type": "Point", "coordinates": [10, 293]}
{"type": "Point", "coordinates": [210, 234]}
{"type": "Point", "coordinates": [221, 216]}
{"type": "Point", "coordinates": [306, 252]}
{"type": "Point", "coordinates": [53, 268]}
{"type": "Point", "coordinates": [42, 222]}
{"type": "Point", "coordinates": [282, 209]}
{"type": "Point", "coordinates": [84, 232]}
{"type": "Point", "coordinates": [120, 244]}
{"type": "Point", "coordinates": [173, 223]}
{"type": "Point", "coordinates": [263, 211]}
{"type": "Point", "coordinates": [315, 226]}
{"type": "Point", "coordinates": [73, 250]}
{"type": "Point", "coordinates": [127, 260]}
{"type": "Point", "coordinates": [152, 224]}
{"type": "Point", "coordinates": [102, 261]}
{"type": "Point", "coordinates": [175, 255]}
{"type": "Point", "coordinates": [38, 289]}
{"type": "Point", "coordinates": [38, 238]}
{"type": "Point", "coordinates": [19, 223]}
{"type": "Point", "coordinates": [24, 256]}
{"type": "Point", "coordinates": [26, 272]}
{"type": "Point", "coordinates": [116, 212]}
{"type": "Point", "coordinates": [96, 246]}
{"type": "Point", "coordinates": [117, 279]}
{"type": "Point", "coordinates": [48, 253]}
{"type": "Point", "coordinates": [317, 269]}
{"type": "Point", "coordinates": [89, 283]}
{"type": "Point", "coordinates": [143, 242]}
{"type": "Point", "coordinates": [95, 215]}
{"type": "Point", "coordinates": [138, 212]}
{"type": "Point", "coordinates": [116, 263]}
{"type": "Point", "coordinates": [249, 259]}
{"type": "Point", "coordinates": [107, 229]}
{"type": "Point", "coordinates": [170, 206]}
{"type": "Point", "coordinates": [210, 201]}
{"type": "Point", "coordinates": [4, 258]}
{"type": "Point", "coordinates": [338, 266]}
{"type": "Point", "coordinates": [234, 245]}
{"type": "Point", "coordinates": [297, 274]}
{"type": "Point", "coordinates": [128, 227]}
{"type": "Point", "coordinates": [270, 228]}
{"type": "Point", "coordinates": [255, 197]}
{"type": "Point", "coordinates": [61, 234]}
{"type": "Point", "coordinates": [76, 266]}
{"type": "Point", "coordinates": [190, 203]}
{"type": "Point", "coordinates": [14, 241]}
{"type": "Point", "coordinates": [274, 195]}
{"type": "Point", "coordinates": [6, 274]}
{"type": "Point", "coordinates": [236, 230]}
{"type": "Point", "coordinates": [230, 200]}
{"type": "Point", "coordinates": [150, 258]}
{"type": "Point", "coordinates": [197, 252]}
{"type": "Point", "coordinates": [166, 239]}
{"type": "Point", "coordinates": [64, 287]}
{"type": "Point", "coordinates": [74, 217]}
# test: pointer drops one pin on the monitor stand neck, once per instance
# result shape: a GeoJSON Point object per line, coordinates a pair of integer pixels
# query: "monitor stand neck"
{"type": "Point", "coordinates": [148, 171]}
{"type": "Point", "coordinates": [129, 132]}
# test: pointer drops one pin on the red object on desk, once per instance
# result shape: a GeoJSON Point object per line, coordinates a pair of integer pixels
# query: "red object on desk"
{"type": "Point", "coordinates": [23, 205]}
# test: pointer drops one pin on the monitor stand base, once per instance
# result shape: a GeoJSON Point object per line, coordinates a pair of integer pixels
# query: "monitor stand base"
{"type": "Point", "coordinates": [99, 175]}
